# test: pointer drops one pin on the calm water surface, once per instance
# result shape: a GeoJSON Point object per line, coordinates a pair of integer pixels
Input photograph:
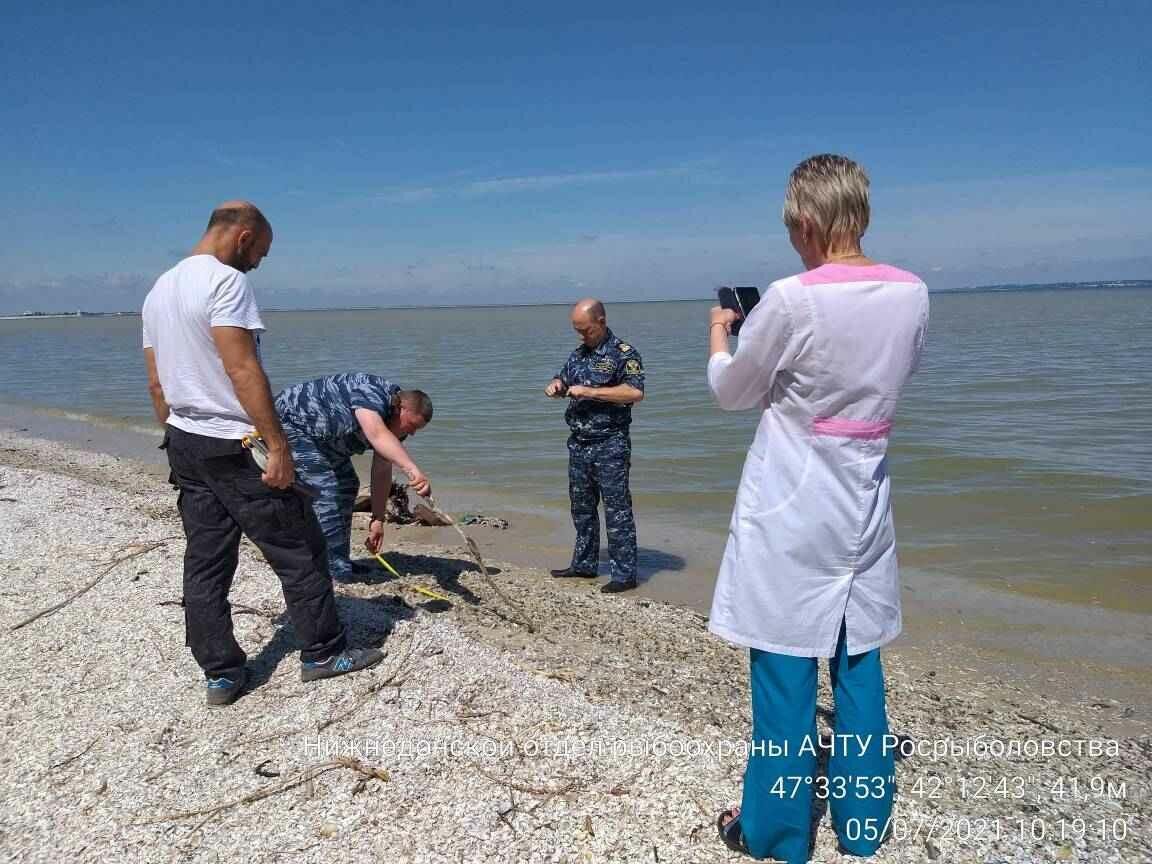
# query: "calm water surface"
{"type": "Point", "coordinates": [1021, 454]}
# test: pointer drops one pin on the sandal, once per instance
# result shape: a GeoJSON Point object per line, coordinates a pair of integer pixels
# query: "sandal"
{"type": "Point", "coordinates": [730, 831]}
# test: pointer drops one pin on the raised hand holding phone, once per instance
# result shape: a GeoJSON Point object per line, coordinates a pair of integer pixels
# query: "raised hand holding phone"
{"type": "Point", "coordinates": [740, 300]}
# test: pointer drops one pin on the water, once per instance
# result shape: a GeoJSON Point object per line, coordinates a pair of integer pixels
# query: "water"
{"type": "Point", "coordinates": [1021, 456]}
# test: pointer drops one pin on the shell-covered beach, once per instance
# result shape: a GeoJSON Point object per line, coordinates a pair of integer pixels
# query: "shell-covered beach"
{"type": "Point", "coordinates": [548, 724]}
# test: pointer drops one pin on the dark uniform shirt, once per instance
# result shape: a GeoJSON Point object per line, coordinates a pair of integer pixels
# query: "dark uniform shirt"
{"type": "Point", "coordinates": [611, 363]}
{"type": "Point", "coordinates": [324, 409]}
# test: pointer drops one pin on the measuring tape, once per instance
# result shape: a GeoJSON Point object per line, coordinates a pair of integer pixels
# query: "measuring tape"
{"type": "Point", "coordinates": [253, 443]}
{"type": "Point", "coordinates": [425, 591]}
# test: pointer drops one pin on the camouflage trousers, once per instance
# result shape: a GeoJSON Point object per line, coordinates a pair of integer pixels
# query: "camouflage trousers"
{"type": "Point", "coordinates": [335, 479]}
{"type": "Point", "coordinates": [599, 470]}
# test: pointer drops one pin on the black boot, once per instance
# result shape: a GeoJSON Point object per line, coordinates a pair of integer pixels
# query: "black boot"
{"type": "Point", "coordinates": [568, 572]}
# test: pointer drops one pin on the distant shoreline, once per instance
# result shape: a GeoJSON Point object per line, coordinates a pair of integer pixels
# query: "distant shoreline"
{"type": "Point", "coordinates": [36, 316]}
{"type": "Point", "coordinates": [1116, 284]}
{"type": "Point", "coordinates": [1008, 288]}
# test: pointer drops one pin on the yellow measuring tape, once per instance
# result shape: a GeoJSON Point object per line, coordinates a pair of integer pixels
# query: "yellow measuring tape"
{"type": "Point", "coordinates": [387, 566]}
{"type": "Point", "coordinates": [419, 590]}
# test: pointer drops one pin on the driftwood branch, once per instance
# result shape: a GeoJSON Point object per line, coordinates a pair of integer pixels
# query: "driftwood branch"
{"type": "Point", "coordinates": [573, 784]}
{"type": "Point", "coordinates": [474, 551]}
{"type": "Point", "coordinates": [394, 679]}
{"type": "Point", "coordinates": [1044, 724]}
{"type": "Point", "coordinates": [74, 757]}
{"type": "Point", "coordinates": [307, 775]}
{"type": "Point", "coordinates": [357, 703]}
{"type": "Point", "coordinates": [109, 567]}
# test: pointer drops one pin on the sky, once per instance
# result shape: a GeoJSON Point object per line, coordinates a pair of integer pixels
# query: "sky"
{"type": "Point", "coordinates": [444, 153]}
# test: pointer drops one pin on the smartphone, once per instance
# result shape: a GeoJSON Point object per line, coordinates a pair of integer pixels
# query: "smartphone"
{"type": "Point", "coordinates": [748, 296]}
{"type": "Point", "coordinates": [740, 300]}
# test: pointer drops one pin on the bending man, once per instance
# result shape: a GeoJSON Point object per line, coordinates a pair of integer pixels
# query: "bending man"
{"type": "Point", "coordinates": [328, 421]}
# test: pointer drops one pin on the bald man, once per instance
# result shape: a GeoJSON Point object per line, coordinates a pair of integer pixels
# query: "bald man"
{"type": "Point", "coordinates": [201, 348]}
{"type": "Point", "coordinates": [603, 379]}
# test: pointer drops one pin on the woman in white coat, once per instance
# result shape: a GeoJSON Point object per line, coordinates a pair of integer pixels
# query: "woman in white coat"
{"type": "Point", "coordinates": [810, 566]}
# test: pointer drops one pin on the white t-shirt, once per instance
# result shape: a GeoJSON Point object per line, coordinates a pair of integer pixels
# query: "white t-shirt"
{"type": "Point", "coordinates": [180, 311]}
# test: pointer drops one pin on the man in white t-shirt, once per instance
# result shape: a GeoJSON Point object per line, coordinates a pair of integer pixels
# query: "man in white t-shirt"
{"type": "Point", "coordinates": [201, 347]}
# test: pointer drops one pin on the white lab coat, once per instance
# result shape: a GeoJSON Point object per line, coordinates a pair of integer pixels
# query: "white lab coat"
{"type": "Point", "coordinates": [811, 544]}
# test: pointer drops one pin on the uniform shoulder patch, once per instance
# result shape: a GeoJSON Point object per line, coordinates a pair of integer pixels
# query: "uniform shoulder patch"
{"type": "Point", "coordinates": [632, 367]}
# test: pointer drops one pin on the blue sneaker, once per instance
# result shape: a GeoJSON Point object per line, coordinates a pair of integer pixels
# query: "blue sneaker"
{"type": "Point", "coordinates": [224, 690]}
{"type": "Point", "coordinates": [348, 660]}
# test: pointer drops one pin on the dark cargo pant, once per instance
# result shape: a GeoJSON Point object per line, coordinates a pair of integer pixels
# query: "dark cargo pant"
{"type": "Point", "coordinates": [599, 469]}
{"type": "Point", "coordinates": [222, 496]}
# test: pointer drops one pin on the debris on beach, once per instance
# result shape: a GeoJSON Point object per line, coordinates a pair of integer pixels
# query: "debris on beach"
{"type": "Point", "coordinates": [482, 521]}
{"type": "Point", "coordinates": [119, 556]}
{"type": "Point", "coordinates": [474, 550]}
{"type": "Point", "coordinates": [400, 511]}
{"type": "Point", "coordinates": [615, 733]}
{"type": "Point", "coordinates": [397, 511]}
{"type": "Point", "coordinates": [425, 515]}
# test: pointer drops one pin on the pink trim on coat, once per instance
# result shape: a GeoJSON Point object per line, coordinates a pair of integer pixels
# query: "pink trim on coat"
{"type": "Point", "coordinates": [831, 273]}
{"type": "Point", "coordinates": [840, 427]}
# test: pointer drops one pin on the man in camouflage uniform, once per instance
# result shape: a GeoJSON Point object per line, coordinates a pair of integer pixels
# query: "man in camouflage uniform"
{"type": "Point", "coordinates": [603, 378]}
{"type": "Point", "coordinates": [328, 421]}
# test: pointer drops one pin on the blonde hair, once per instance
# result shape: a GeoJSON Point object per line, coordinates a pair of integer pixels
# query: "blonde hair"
{"type": "Point", "coordinates": [831, 192]}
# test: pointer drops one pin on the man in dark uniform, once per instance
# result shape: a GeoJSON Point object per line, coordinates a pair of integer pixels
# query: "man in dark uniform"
{"type": "Point", "coordinates": [603, 378]}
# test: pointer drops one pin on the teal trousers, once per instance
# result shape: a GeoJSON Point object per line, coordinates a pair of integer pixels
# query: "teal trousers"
{"type": "Point", "coordinates": [782, 780]}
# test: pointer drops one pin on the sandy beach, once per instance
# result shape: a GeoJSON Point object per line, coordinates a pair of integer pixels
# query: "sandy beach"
{"type": "Point", "coordinates": [548, 724]}
{"type": "Point", "coordinates": [1076, 652]}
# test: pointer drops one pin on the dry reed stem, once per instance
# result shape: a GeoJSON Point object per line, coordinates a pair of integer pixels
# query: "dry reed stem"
{"type": "Point", "coordinates": [307, 775]}
{"type": "Point", "coordinates": [111, 565]}
{"type": "Point", "coordinates": [74, 757]}
{"type": "Point", "coordinates": [572, 785]}
{"type": "Point", "coordinates": [396, 678]}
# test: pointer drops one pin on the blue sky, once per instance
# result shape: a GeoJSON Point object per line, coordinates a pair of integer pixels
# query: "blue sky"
{"type": "Point", "coordinates": [475, 152]}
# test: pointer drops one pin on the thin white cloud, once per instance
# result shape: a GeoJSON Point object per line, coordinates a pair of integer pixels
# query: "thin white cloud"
{"type": "Point", "coordinates": [628, 265]}
{"type": "Point", "coordinates": [1077, 226]}
{"type": "Point", "coordinates": [529, 183]}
